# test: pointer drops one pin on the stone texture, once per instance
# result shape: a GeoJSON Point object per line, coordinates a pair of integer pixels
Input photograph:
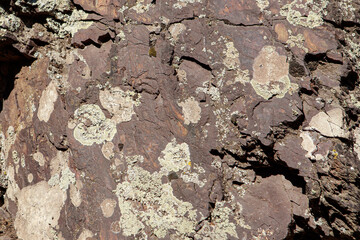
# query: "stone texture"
{"type": "Point", "coordinates": [179, 119]}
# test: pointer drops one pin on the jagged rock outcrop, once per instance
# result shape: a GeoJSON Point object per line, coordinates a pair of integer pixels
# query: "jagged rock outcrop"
{"type": "Point", "coordinates": [180, 119]}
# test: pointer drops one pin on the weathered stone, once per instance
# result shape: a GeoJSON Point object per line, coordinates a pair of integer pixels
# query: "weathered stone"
{"type": "Point", "coordinates": [179, 119]}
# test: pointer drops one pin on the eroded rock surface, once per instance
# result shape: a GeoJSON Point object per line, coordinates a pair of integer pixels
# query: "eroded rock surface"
{"type": "Point", "coordinates": [180, 119]}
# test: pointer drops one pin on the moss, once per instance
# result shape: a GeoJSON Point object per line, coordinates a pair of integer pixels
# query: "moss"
{"type": "Point", "coordinates": [152, 52]}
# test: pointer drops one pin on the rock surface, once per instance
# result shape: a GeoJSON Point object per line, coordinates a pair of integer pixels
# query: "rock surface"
{"type": "Point", "coordinates": [180, 119]}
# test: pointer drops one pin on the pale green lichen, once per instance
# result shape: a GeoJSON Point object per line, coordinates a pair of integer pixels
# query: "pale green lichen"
{"type": "Point", "coordinates": [353, 48]}
{"type": "Point", "coordinates": [140, 7]}
{"type": "Point", "coordinates": [183, 3]}
{"type": "Point", "coordinates": [44, 5]}
{"type": "Point", "coordinates": [348, 10]}
{"type": "Point", "coordinates": [163, 212]}
{"type": "Point", "coordinates": [315, 11]}
{"type": "Point", "coordinates": [296, 41]}
{"type": "Point", "coordinates": [92, 125]}
{"type": "Point", "coordinates": [71, 23]}
{"type": "Point", "coordinates": [220, 226]}
{"type": "Point", "coordinates": [271, 74]}
{"type": "Point", "coordinates": [66, 178]}
{"type": "Point", "coordinates": [210, 90]}
{"type": "Point", "coordinates": [61, 175]}
{"type": "Point", "coordinates": [119, 103]}
{"type": "Point", "coordinates": [191, 110]}
{"type": "Point", "coordinates": [175, 157]}
{"type": "Point", "coordinates": [262, 4]}
{"type": "Point", "coordinates": [9, 22]}
{"type": "Point", "coordinates": [232, 62]}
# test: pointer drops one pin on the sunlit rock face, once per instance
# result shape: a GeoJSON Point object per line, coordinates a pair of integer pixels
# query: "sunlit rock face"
{"type": "Point", "coordinates": [179, 119]}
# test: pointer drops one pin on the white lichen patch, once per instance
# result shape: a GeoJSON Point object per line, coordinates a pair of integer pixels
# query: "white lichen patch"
{"type": "Point", "coordinates": [232, 62]}
{"type": "Point", "coordinates": [262, 4]}
{"type": "Point", "coordinates": [39, 208]}
{"type": "Point", "coordinates": [108, 150]}
{"type": "Point", "coordinates": [163, 212]}
{"type": "Point", "coordinates": [175, 157]}
{"type": "Point", "coordinates": [107, 207]}
{"type": "Point", "coordinates": [71, 23]}
{"type": "Point", "coordinates": [271, 74]}
{"type": "Point", "coordinates": [39, 157]}
{"type": "Point", "coordinates": [220, 226]}
{"type": "Point", "coordinates": [193, 175]}
{"type": "Point", "coordinates": [47, 101]}
{"type": "Point", "coordinates": [75, 193]}
{"type": "Point", "coordinates": [85, 234]}
{"type": "Point", "coordinates": [315, 10]}
{"type": "Point", "coordinates": [357, 142]}
{"type": "Point", "coordinates": [175, 31]}
{"type": "Point", "coordinates": [191, 110]}
{"type": "Point", "coordinates": [183, 3]}
{"type": "Point", "coordinates": [141, 6]}
{"type": "Point", "coordinates": [30, 177]}
{"type": "Point", "coordinates": [92, 126]}
{"type": "Point", "coordinates": [330, 124]}
{"type": "Point", "coordinates": [8, 22]}
{"type": "Point", "coordinates": [119, 103]}
{"type": "Point", "coordinates": [296, 41]}
{"type": "Point", "coordinates": [61, 175]}
{"type": "Point", "coordinates": [13, 188]}
{"type": "Point", "coordinates": [308, 144]}
{"type": "Point", "coordinates": [45, 5]}
{"type": "Point", "coordinates": [210, 90]}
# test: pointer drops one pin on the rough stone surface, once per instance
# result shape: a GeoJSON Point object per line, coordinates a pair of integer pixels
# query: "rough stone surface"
{"type": "Point", "coordinates": [180, 119]}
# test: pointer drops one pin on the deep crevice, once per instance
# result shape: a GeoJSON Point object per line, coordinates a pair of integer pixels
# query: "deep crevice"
{"type": "Point", "coordinates": [350, 81]}
{"type": "Point", "coordinates": [11, 62]}
{"type": "Point", "coordinates": [191, 59]}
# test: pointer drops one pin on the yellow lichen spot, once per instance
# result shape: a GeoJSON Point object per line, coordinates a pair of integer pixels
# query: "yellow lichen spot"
{"type": "Point", "coordinates": [335, 154]}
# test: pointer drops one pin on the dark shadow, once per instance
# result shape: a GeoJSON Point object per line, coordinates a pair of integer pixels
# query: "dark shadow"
{"type": "Point", "coordinates": [11, 62]}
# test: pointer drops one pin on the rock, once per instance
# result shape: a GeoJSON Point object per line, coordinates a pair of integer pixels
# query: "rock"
{"type": "Point", "coordinates": [179, 119]}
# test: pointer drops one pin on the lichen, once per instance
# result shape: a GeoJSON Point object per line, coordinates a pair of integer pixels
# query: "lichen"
{"type": "Point", "coordinates": [107, 207]}
{"type": "Point", "coordinates": [220, 226]}
{"type": "Point", "coordinates": [262, 4]}
{"type": "Point", "coordinates": [183, 3]}
{"type": "Point", "coordinates": [61, 175]}
{"type": "Point", "coordinates": [315, 11]}
{"type": "Point", "coordinates": [45, 6]}
{"type": "Point", "coordinates": [47, 101]}
{"type": "Point", "coordinates": [270, 77]}
{"type": "Point", "coordinates": [296, 41]}
{"type": "Point", "coordinates": [175, 31]}
{"type": "Point", "coordinates": [9, 22]}
{"type": "Point", "coordinates": [39, 208]}
{"type": "Point", "coordinates": [175, 157]}
{"type": "Point", "coordinates": [119, 103]}
{"type": "Point", "coordinates": [232, 63]}
{"type": "Point", "coordinates": [71, 23]}
{"type": "Point", "coordinates": [330, 124]}
{"type": "Point", "coordinates": [92, 125]}
{"type": "Point", "coordinates": [191, 110]}
{"type": "Point", "coordinates": [163, 212]}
